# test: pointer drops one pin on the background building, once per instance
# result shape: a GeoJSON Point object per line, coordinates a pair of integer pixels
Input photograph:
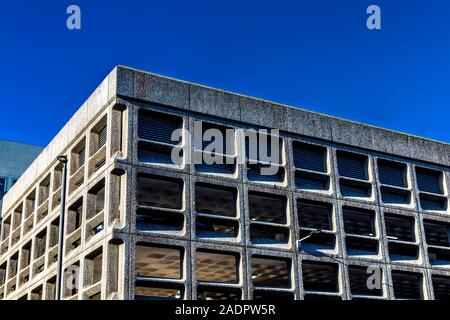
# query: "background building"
{"type": "Point", "coordinates": [347, 197]}
{"type": "Point", "coordinates": [15, 157]}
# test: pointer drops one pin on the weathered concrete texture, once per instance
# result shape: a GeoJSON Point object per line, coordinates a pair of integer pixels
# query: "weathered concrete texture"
{"type": "Point", "coordinates": [214, 102]}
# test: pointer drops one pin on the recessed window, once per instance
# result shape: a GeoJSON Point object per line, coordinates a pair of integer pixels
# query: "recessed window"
{"type": "Point", "coordinates": [392, 173]}
{"type": "Point", "coordinates": [208, 227]}
{"type": "Point", "coordinates": [215, 200]}
{"type": "Point", "coordinates": [216, 149]}
{"type": "Point", "coordinates": [318, 276]}
{"type": "Point", "coordinates": [268, 234]}
{"type": "Point", "coordinates": [311, 166]}
{"type": "Point", "coordinates": [407, 285]}
{"type": "Point", "coordinates": [74, 216]}
{"type": "Point", "coordinates": [400, 231]}
{"type": "Point", "coordinates": [264, 158]}
{"type": "Point", "coordinates": [437, 237]}
{"type": "Point", "coordinates": [358, 282]}
{"type": "Point", "coordinates": [436, 233]}
{"type": "Point", "coordinates": [271, 272]}
{"type": "Point", "coordinates": [310, 157]}
{"type": "Point", "coordinates": [218, 293]}
{"type": "Point", "coordinates": [352, 165]}
{"type": "Point", "coordinates": [392, 176]}
{"type": "Point", "coordinates": [359, 225]}
{"type": "Point", "coordinates": [315, 215]}
{"type": "Point", "coordinates": [155, 133]}
{"type": "Point", "coordinates": [359, 221]}
{"type": "Point", "coordinates": [430, 184]}
{"type": "Point", "coordinates": [72, 276]}
{"type": "Point", "coordinates": [158, 291]}
{"type": "Point", "coordinates": [158, 261]}
{"type": "Point", "coordinates": [312, 217]}
{"type": "Point", "coordinates": [215, 266]}
{"type": "Point", "coordinates": [267, 218]}
{"type": "Point", "coordinates": [93, 267]}
{"type": "Point", "coordinates": [160, 192]}
{"type": "Point", "coordinates": [399, 227]}
{"type": "Point", "coordinates": [441, 287]}
{"type": "Point", "coordinates": [267, 208]}
{"type": "Point", "coordinates": [429, 180]}
{"type": "Point", "coordinates": [159, 221]}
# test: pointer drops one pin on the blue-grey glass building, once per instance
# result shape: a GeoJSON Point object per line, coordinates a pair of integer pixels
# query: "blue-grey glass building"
{"type": "Point", "coordinates": [15, 157]}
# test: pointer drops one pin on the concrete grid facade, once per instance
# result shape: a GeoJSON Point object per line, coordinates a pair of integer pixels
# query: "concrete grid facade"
{"type": "Point", "coordinates": [141, 227]}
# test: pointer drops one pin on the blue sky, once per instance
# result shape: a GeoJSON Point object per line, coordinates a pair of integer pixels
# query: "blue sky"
{"type": "Point", "coordinates": [313, 54]}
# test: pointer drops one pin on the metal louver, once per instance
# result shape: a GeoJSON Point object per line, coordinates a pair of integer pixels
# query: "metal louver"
{"type": "Point", "coordinates": [391, 173]}
{"type": "Point", "coordinates": [309, 157]}
{"type": "Point", "coordinates": [158, 127]}
{"type": "Point", "coordinates": [102, 135]}
{"type": "Point", "coordinates": [429, 180]}
{"type": "Point", "coordinates": [352, 165]}
{"type": "Point", "coordinates": [81, 157]}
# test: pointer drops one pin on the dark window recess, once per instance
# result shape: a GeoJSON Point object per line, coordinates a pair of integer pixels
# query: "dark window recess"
{"type": "Point", "coordinates": [215, 200]}
{"type": "Point", "coordinates": [272, 295]}
{"type": "Point", "coordinates": [439, 256]}
{"type": "Point", "coordinates": [315, 215]}
{"type": "Point", "coordinates": [267, 208]}
{"type": "Point", "coordinates": [254, 173]}
{"type": "Point", "coordinates": [392, 173]}
{"type": "Point", "coordinates": [218, 293]}
{"type": "Point", "coordinates": [226, 146]}
{"type": "Point", "coordinates": [359, 221]}
{"type": "Point", "coordinates": [221, 168]}
{"type": "Point", "coordinates": [264, 234]}
{"type": "Point", "coordinates": [102, 136]}
{"type": "Point", "coordinates": [311, 181]}
{"type": "Point", "coordinates": [360, 246]}
{"type": "Point", "coordinates": [399, 227]}
{"type": "Point", "coordinates": [430, 202]}
{"type": "Point", "coordinates": [352, 165]}
{"type": "Point", "coordinates": [156, 153]}
{"type": "Point", "coordinates": [153, 220]}
{"type": "Point", "coordinates": [358, 282]}
{"type": "Point", "coordinates": [407, 285]}
{"type": "Point", "coordinates": [158, 127]}
{"type": "Point", "coordinates": [207, 227]}
{"type": "Point", "coordinates": [355, 189]}
{"type": "Point", "coordinates": [161, 192]}
{"type": "Point", "coordinates": [395, 196]}
{"type": "Point", "coordinates": [317, 241]}
{"type": "Point", "coordinates": [436, 233]}
{"type": "Point", "coordinates": [403, 251]}
{"type": "Point", "coordinates": [81, 157]}
{"type": "Point", "coordinates": [429, 180]}
{"type": "Point", "coordinates": [253, 150]}
{"type": "Point", "coordinates": [441, 287]}
{"type": "Point", "coordinates": [270, 272]}
{"type": "Point", "coordinates": [157, 291]}
{"type": "Point", "coordinates": [310, 157]}
{"type": "Point", "coordinates": [319, 276]}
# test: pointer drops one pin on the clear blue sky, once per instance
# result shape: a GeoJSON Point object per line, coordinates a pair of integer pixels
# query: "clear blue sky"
{"type": "Point", "coordinates": [313, 54]}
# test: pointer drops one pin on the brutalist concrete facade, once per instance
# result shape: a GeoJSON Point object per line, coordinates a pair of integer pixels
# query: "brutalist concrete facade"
{"type": "Point", "coordinates": [348, 197]}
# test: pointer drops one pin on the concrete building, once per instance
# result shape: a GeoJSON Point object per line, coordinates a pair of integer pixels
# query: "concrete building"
{"type": "Point", "coordinates": [347, 198]}
{"type": "Point", "coordinates": [15, 157]}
